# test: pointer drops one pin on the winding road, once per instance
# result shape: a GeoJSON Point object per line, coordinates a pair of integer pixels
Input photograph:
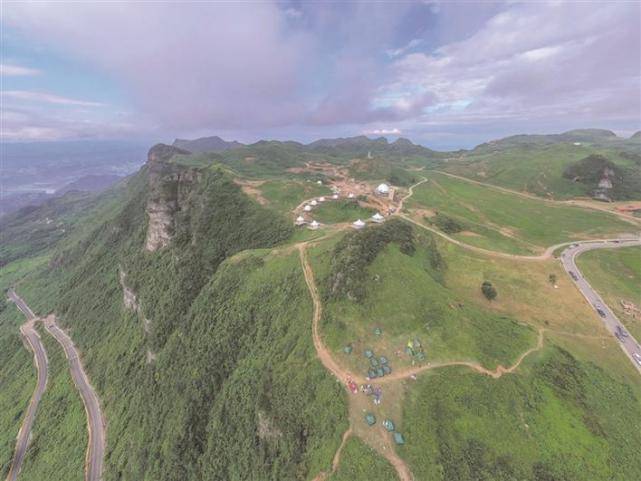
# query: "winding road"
{"type": "Point", "coordinates": [32, 338]}
{"type": "Point", "coordinates": [95, 421]}
{"type": "Point", "coordinates": [568, 258]}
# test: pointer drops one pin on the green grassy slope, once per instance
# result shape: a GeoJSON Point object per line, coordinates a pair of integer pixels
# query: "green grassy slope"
{"type": "Point", "coordinates": [360, 463]}
{"type": "Point", "coordinates": [616, 275]}
{"type": "Point", "coordinates": [519, 220]}
{"type": "Point", "coordinates": [403, 295]}
{"type": "Point", "coordinates": [59, 437]}
{"type": "Point", "coordinates": [556, 419]}
{"type": "Point", "coordinates": [536, 164]}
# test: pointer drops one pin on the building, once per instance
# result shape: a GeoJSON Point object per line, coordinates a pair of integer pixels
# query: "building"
{"type": "Point", "coordinates": [307, 208]}
{"type": "Point", "coordinates": [359, 224]}
{"type": "Point", "coordinates": [378, 218]}
{"type": "Point", "coordinates": [314, 225]}
{"type": "Point", "coordinates": [382, 189]}
{"type": "Point", "coordinates": [300, 220]}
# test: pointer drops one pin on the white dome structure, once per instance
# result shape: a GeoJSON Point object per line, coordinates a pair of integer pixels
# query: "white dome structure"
{"type": "Point", "coordinates": [300, 220]}
{"type": "Point", "coordinates": [335, 196]}
{"type": "Point", "coordinates": [307, 208]}
{"type": "Point", "coordinates": [314, 225]}
{"type": "Point", "coordinates": [314, 203]}
{"type": "Point", "coordinates": [359, 224]}
{"type": "Point", "coordinates": [382, 189]}
{"type": "Point", "coordinates": [378, 218]}
{"type": "Point", "coordinates": [321, 199]}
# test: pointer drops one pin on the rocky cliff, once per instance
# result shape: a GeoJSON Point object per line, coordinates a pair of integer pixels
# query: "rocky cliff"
{"type": "Point", "coordinates": [169, 187]}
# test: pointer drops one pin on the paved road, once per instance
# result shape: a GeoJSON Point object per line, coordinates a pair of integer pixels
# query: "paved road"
{"type": "Point", "coordinates": [95, 423]}
{"type": "Point", "coordinates": [629, 345]}
{"type": "Point", "coordinates": [32, 338]}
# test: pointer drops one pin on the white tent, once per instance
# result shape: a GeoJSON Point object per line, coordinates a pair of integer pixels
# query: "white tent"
{"type": "Point", "coordinates": [319, 182]}
{"type": "Point", "coordinates": [321, 199]}
{"type": "Point", "coordinates": [307, 208]}
{"type": "Point", "coordinates": [378, 218]}
{"type": "Point", "coordinates": [300, 220]}
{"type": "Point", "coordinates": [314, 202]}
{"type": "Point", "coordinates": [359, 224]}
{"type": "Point", "coordinates": [382, 189]}
{"type": "Point", "coordinates": [314, 225]}
{"type": "Point", "coordinates": [335, 196]}
{"type": "Point", "coordinates": [350, 195]}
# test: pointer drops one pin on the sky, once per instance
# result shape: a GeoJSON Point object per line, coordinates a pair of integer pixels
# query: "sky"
{"type": "Point", "coordinates": [443, 74]}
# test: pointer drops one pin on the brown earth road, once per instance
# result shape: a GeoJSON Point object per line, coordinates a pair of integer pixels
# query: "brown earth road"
{"type": "Point", "coordinates": [32, 338]}
{"type": "Point", "coordinates": [337, 457]}
{"type": "Point", "coordinates": [573, 202]}
{"type": "Point", "coordinates": [95, 421]}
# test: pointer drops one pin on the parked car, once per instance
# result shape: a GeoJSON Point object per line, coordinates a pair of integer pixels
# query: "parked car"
{"type": "Point", "coordinates": [574, 276]}
{"type": "Point", "coordinates": [600, 311]}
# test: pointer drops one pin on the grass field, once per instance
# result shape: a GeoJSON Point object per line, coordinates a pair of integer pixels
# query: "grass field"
{"type": "Point", "coordinates": [536, 170]}
{"type": "Point", "coordinates": [285, 195]}
{"type": "Point", "coordinates": [359, 462]}
{"type": "Point", "coordinates": [616, 275]}
{"type": "Point", "coordinates": [335, 211]}
{"type": "Point", "coordinates": [521, 224]}
{"type": "Point", "coordinates": [59, 437]}
{"type": "Point", "coordinates": [406, 301]}
{"type": "Point", "coordinates": [555, 419]}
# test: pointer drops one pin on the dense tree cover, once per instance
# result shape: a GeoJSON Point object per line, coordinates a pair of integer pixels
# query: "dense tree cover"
{"type": "Point", "coordinates": [357, 250]}
{"type": "Point", "coordinates": [225, 384]}
{"type": "Point", "coordinates": [447, 224]}
{"type": "Point", "coordinates": [626, 182]}
{"type": "Point", "coordinates": [559, 419]}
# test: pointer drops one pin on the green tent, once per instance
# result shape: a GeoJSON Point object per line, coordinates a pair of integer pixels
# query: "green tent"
{"type": "Point", "coordinates": [383, 360]}
{"type": "Point", "coordinates": [386, 369]}
{"type": "Point", "coordinates": [368, 353]}
{"type": "Point", "coordinates": [373, 361]}
{"type": "Point", "coordinates": [420, 356]}
{"type": "Point", "coordinates": [347, 349]}
{"type": "Point", "coordinates": [380, 372]}
{"type": "Point", "coordinates": [378, 331]}
{"type": "Point", "coordinates": [398, 438]}
{"type": "Point", "coordinates": [389, 425]}
{"type": "Point", "coordinates": [370, 419]}
{"type": "Point", "coordinates": [371, 374]}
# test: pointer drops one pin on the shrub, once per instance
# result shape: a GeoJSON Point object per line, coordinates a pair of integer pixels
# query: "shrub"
{"type": "Point", "coordinates": [488, 290]}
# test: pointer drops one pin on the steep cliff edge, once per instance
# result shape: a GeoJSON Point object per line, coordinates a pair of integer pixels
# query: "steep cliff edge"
{"type": "Point", "coordinates": [169, 186]}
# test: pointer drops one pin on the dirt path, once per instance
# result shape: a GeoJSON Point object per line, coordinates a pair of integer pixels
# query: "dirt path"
{"type": "Point", "coordinates": [337, 457]}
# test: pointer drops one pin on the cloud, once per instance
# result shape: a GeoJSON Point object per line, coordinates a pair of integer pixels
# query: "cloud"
{"type": "Point", "coordinates": [7, 70]}
{"type": "Point", "coordinates": [30, 96]}
{"type": "Point", "coordinates": [393, 131]}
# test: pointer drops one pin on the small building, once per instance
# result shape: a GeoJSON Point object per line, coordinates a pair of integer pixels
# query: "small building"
{"type": "Point", "coordinates": [378, 218]}
{"type": "Point", "coordinates": [382, 189]}
{"type": "Point", "coordinates": [314, 225]}
{"type": "Point", "coordinates": [307, 208]}
{"type": "Point", "coordinates": [300, 220]}
{"type": "Point", "coordinates": [359, 224]}
{"type": "Point", "coordinates": [314, 202]}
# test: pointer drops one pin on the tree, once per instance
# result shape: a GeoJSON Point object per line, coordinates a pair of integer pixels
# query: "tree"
{"type": "Point", "coordinates": [552, 279]}
{"type": "Point", "coordinates": [488, 290]}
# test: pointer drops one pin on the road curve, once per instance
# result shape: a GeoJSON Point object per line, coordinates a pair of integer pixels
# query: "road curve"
{"type": "Point", "coordinates": [95, 422]}
{"type": "Point", "coordinates": [31, 336]}
{"type": "Point", "coordinates": [568, 258]}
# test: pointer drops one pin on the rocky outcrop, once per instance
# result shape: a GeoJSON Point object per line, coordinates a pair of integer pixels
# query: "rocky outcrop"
{"type": "Point", "coordinates": [128, 296]}
{"type": "Point", "coordinates": [169, 186]}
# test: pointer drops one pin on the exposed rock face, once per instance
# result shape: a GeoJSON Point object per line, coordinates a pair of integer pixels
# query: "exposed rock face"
{"type": "Point", "coordinates": [169, 185]}
{"type": "Point", "coordinates": [128, 296]}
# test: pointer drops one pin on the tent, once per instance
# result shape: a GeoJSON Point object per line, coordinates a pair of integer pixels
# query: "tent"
{"type": "Point", "coordinates": [347, 349]}
{"type": "Point", "coordinates": [368, 353]}
{"type": "Point", "coordinates": [335, 196]}
{"type": "Point", "coordinates": [373, 361]}
{"type": "Point", "coordinates": [350, 195]}
{"type": "Point", "coordinates": [300, 220]}
{"type": "Point", "coordinates": [378, 331]}
{"type": "Point", "coordinates": [370, 419]}
{"type": "Point", "coordinates": [359, 224]}
{"type": "Point", "coordinates": [307, 208]}
{"type": "Point", "coordinates": [382, 189]}
{"type": "Point", "coordinates": [389, 425]}
{"type": "Point", "coordinates": [386, 369]}
{"type": "Point", "coordinates": [314, 225]}
{"type": "Point", "coordinates": [398, 438]}
{"type": "Point", "coordinates": [378, 218]}
{"type": "Point", "coordinates": [321, 199]}
{"type": "Point", "coordinates": [372, 374]}
{"type": "Point", "coordinates": [383, 360]}
{"type": "Point", "coordinates": [314, 202]}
